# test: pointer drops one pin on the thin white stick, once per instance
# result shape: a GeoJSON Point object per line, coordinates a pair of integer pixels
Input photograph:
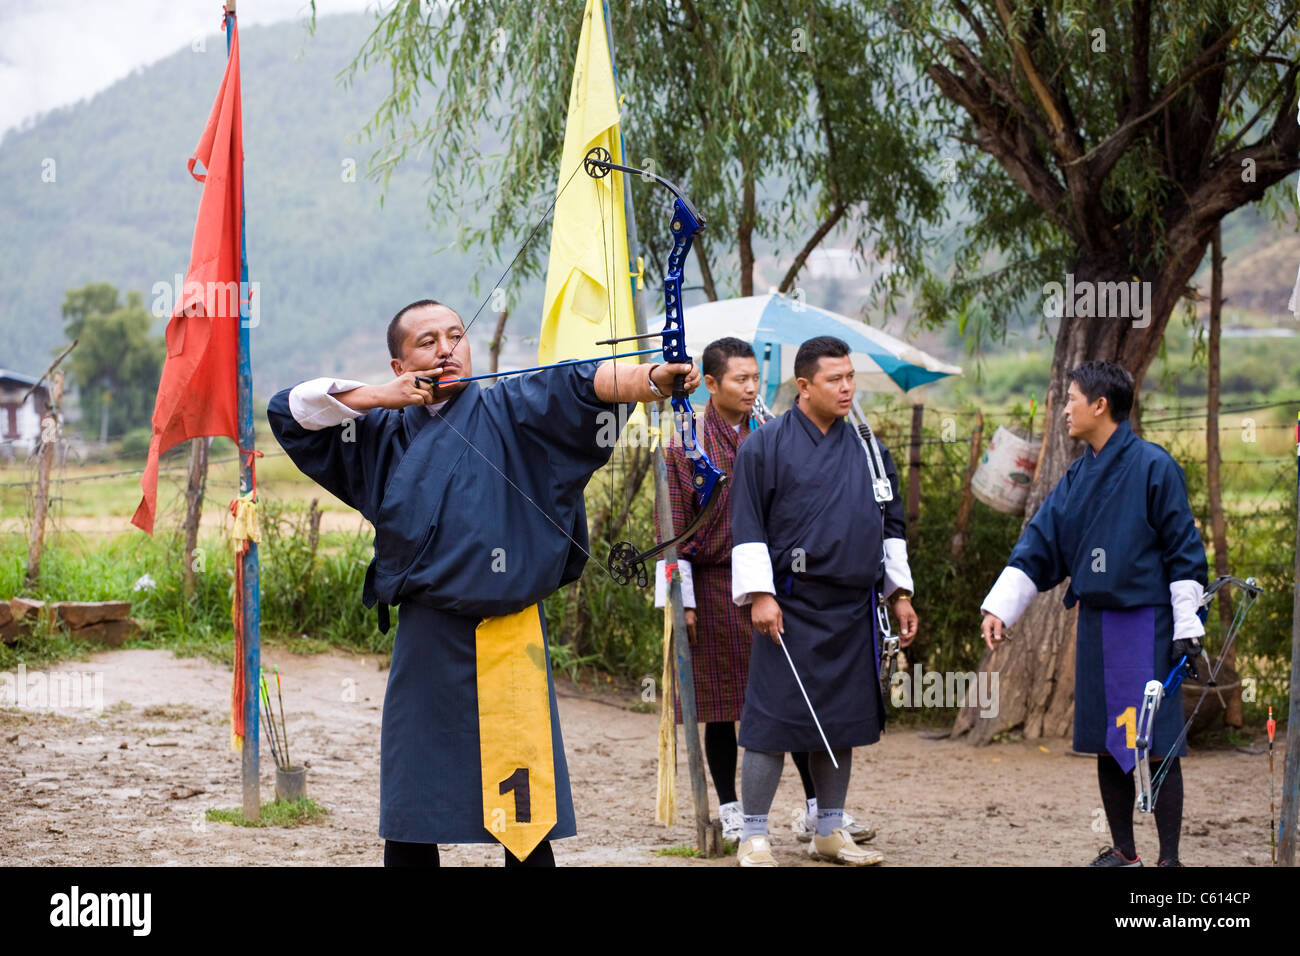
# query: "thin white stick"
{"type": "Point", "coordinates": [834, 762]}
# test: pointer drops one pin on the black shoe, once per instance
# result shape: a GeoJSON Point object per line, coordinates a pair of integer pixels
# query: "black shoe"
{"type": "Point", "coordinates": [1169, 863]}
{"type": "Point", "coordinates": [1109, 856]}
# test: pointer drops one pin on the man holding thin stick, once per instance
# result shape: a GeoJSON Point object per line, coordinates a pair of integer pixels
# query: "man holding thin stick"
{"type": "Point", "coordinates": [811, 549]}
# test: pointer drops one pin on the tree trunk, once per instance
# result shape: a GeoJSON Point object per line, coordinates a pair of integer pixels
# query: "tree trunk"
{"type": "Point", "coordinates": [1036, 665]}
{"type": "Point", "coordinates": [1213, 479]}
{"type": "Point", "coordinates": [745, 234]}
{"type": "Point", "coordinates": [498, 338]}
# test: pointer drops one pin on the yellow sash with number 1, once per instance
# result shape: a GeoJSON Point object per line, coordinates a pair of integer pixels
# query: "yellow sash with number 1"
{"type": "Point", "coordinates": [514, 730]}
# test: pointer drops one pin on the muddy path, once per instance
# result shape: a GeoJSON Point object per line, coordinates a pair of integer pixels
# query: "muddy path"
{"type": "Point", "coordinates": [130, 785]}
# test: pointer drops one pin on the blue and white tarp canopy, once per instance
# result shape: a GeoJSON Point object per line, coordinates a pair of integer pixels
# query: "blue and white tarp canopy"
{"type": "Point", "coordinates": [882, 362]}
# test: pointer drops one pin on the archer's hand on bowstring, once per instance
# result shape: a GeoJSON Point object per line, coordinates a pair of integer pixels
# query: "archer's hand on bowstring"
{"type": "Point", "coordinates": [401, 391]}
{"type": "Point", "coordinates": [631, 383]}
{"type": "Point", "coordinates": [765, 614]}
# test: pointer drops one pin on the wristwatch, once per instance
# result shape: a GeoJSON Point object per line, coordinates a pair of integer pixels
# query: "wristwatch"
{"type": "Point", "coordinates": [899, 594]}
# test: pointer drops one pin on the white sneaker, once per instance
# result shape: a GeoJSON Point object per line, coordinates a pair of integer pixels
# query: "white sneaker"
{"type": "Point", "coordinates": [860, 832]}
{"type": "Point", "coordinates": [840, 848]}
{"type": "Point", "coordinates": [756, 851]}
{"type": "Point", "coordinates": [733, 820]}
{"type": "Point", "coordinates": [804, 826]}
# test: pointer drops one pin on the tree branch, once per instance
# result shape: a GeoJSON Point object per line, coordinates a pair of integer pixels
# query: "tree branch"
{"type": "Point", "coordinates": [1063, 139]}
{"type": "Point", "coordinates": [1114, 145]}
{"type": "Point", "coordinates": [836, 214]}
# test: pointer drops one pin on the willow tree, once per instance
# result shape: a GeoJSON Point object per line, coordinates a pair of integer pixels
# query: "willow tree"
{"type": "Point", "coordinates": [1098, 144]}
{"type": "Point", "coordinates": [768, 114]}
{"type": "Point", "coordinates": [1083, 144]}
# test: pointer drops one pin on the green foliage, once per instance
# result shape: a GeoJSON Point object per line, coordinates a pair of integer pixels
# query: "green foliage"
{"type": "Point", "coordinates": [135, 443]}
{"type": "Point", "coordinates": [317, 594]}
{"type": "Point", "coordinates": [312, 602]}
{"type": "Point", "coordinates": [116, 360]}
{"type": "Point", "coordinates": [791, 101]}
{"type": "Point", "coordinates": [1094, 131]}
{"type": "Point", "coordinates": [684, 850]}
{"type": "Point", "coordinates": [617, 626]}
{"type": "Point", "coordinates": [278, 813]}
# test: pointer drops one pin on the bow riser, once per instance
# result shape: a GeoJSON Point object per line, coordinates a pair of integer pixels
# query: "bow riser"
{"type": "Point", "coordinates": [705, 477]}
{"type": "Point", "coordinates": [626, 562]}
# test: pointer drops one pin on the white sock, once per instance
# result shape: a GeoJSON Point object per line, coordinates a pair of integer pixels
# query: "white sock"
{"type": "Point", "coordinates": [828, 821]}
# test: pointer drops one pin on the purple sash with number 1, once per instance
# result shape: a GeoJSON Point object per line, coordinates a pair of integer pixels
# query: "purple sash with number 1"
{"type": "Point", "coordinates": [1128, 651]}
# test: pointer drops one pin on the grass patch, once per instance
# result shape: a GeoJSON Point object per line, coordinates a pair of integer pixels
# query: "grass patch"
{"type": "Point", "coordinates": [679, 849]}
{"type": "Point", "coordinates": [278, 813]}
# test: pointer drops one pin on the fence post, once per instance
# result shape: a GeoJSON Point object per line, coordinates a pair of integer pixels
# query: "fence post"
{"type": "Point", "coordinates": [196, 482]}
{"type": "Point", "coordinates": [914, 479]}
{"type": "Point", "coordinates": [44, 462]}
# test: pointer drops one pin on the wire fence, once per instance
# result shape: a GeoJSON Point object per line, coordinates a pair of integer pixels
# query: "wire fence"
{"type": "Point", "coordinates": [616, 629]}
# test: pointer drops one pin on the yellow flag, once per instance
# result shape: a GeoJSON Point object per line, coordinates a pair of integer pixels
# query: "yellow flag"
{"type": "Point", "coordinates": [588, 274]}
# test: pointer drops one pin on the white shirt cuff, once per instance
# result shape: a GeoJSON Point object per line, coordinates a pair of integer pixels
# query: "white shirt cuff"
{"type": "Point", "coordinates": [898, 574]}
{"type": "Point", "coordinates": [314, 407]}
{"type": "Point", "coordinates": [751, 572]}
{"type": "Point", "coordinates": [1011, 594]}
{"type": "Point", "coordinates": [1185, 596]}
{"type": "Point", "coordinates": [661, 583]}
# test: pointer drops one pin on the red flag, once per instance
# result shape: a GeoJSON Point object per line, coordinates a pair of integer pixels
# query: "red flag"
{"type": "Point", "coordinates": [197, 395]}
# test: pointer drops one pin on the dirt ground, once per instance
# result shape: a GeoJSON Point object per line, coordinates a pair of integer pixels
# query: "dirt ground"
{"type": "Point", "coordinates": [130, 785]}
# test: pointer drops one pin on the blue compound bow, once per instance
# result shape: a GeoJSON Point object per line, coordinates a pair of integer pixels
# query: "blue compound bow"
{"type": "Point", "coordinates": [1156, 691]}
{"type": "Point", "coordinates": [627, 562]}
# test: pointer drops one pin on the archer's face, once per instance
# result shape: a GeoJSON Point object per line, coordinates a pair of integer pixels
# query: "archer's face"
{"type": "Point", "coordinates": [1082, 416]}
{"type": "Point", "coordinates": [830, 391]}
{"type": "Point", "coordinates": [433, 337]}
{"type": "Point", "coordinates": [737, 388]}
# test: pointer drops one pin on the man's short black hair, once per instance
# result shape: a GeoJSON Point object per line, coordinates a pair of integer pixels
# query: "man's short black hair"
{"type": "Point", "coordinates": [1106, 380]}
{"type": "Point", "coordinates": [720, 351]}
{"type": "Point", "coordinates": [814, 350]}
{"type": "Point", "coordinates": [395, 326]}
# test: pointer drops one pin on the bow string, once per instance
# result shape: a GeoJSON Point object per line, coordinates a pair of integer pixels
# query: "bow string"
{"type": "Point", "coordinates": [627, 563]}
{"type": "Point", "coordinates": [1156, 691]}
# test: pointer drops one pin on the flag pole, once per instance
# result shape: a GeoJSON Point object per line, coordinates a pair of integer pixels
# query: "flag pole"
{"type": "Point", "coordinates": [251, 596]}
{"type": "Point", "coordinates": [708, 833]}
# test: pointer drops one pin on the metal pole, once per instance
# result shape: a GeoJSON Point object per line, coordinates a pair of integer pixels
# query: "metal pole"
{"type": "Point", "coordinates": [708, 833]}
{"type": "Point", "coordinates": [251, 592]}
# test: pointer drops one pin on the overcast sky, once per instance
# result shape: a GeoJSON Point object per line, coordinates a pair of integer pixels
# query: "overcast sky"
{"type": "Point", "coordinates": [56, 52]}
